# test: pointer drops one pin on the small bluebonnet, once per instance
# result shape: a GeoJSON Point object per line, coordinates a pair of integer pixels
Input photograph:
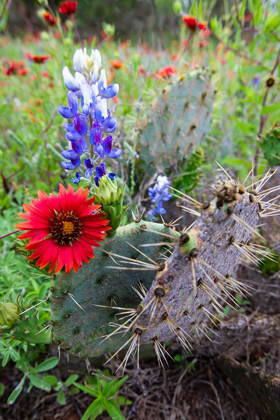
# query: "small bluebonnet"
{"type": "Point", "coordinates": [159, 193]}
{"type": "Point", "coordinates": [256, 82]}
{"type": "Point", "coordinates": [101, 171]}
{"type": "Point", "coordinates": [87, 108]}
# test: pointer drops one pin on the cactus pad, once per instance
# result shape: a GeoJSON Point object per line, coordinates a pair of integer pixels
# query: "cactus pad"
{"type": "Point", "coordinates": [179, 119]}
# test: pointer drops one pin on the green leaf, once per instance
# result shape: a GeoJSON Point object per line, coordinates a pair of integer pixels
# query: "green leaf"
{"type": "Point", "coordinates": [199, 11]}
{"type": "Point", "coordinates": [51, 380]}
{"type": "Point", "coordinates": [121, 400]}
{"type": "Point", "coordinates": [272, 23]}
{"type": "Point", "coordinates": [113, 409]}
{"type": "Point", "coordinates": [86, 389]}
{"type": "Point", "coordinates": [4, 20]}
{"type": "Point", "coordinates": [242, 10]}
{"type": "Point", "coordinates": [95, 409]}
{"type": "Point", "coordinates": [74, 391]}
{"type": "Point", "coordinates": [61, 397]}
{"type": "Point", "coordinates": [47, 364]}
{"type": "Point", "coordinates": [16, 391]}
{"type": "Point", "coordinates": [111, 388]}
{"type": "Point", "coordinates": [5, 359]}
{"type": "Point", "coordinates": [2, 389]}
{"type": "Point", "coordinates": [39, 383]}
{"type": "Point", "coordinates": [71, 380]}
{"type": "Point", "coordinates": [271, 108]}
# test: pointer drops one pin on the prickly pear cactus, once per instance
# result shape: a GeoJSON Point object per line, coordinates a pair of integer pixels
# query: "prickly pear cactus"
{"type": "Point", "coordinates": [150, 283]}
{"type": "Point", "coordinates": [179, 119]}
{"type": "Point", "coordinates": [271, 145]}
{"type": "Point", "coordinates": [79, 327]}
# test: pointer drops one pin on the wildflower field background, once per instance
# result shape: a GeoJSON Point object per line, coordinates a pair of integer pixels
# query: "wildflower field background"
{"type": "Point", "coordinates": [147, 48]}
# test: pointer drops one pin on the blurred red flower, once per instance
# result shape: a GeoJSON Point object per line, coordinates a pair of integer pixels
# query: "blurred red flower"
{"type": "Point", "coordinates": [39, 59]}
{"type": "Point", "coordinates": [46, 74]}
{"type": "Point", "coordinates": [185, 43]}
{"type": "Point", "coordinates": [203, 43]}
{"type": "Point", "coordinates": [190, 21]}
{"type": "Point", "coordinates": [116, 64]}
{"type": "Point", "coordinates": [50, 19]}
{"type": "Point", "coordinates": [16, 68]}
{"type": "Point", "coordinates": [202, 26]}
{"type": "Point", "coordinates": [166, 72]}
{"type": "Point", "coordinates": [68, 8]}
{"type": "Point", "coordinates": [248, 17]}
{"type": "Point", "coordinates": [141, 70]}
{"type": "Point", "coordinates": [174, 57]}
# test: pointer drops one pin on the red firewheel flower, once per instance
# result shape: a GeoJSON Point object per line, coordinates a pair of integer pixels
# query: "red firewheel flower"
{"type": "Point", "coordinates": [68, 8]}
{"type": "Point", "coordinates": [39, 59]}
{"type": "Point", "coordinates": [190, 21]}
{"type": "Point", "coordinates": [166, 72]}
{"type": "Point", "coordinates": [116, 64]}
{"type": "Point", "coordinates": [202, 26]}
{"type": "Point", "coordinates": [63, 229]}
{"type": "Point", "coordinates": [50, 19]}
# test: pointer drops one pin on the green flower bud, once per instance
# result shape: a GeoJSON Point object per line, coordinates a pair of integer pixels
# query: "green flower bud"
{"type": "Point", "coordinates": [110, 194]}
{"type": "Point", "coordinates": [177, 6]}
{"type": "Point", "coordinates": [67, 41]}
{"type": "Point", "coordinates": [43, 2]}
{"type": "Point", "coordinates": [108, 29]}
{"type": "Point", "coordinates": [44, 36]}
{"type": "Point", "coordinates": [9, 314]}
{"type": "Point", "coordinates": [69, 24]}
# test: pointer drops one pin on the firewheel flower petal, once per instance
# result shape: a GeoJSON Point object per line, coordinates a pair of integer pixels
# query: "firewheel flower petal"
{"type": "Point", "coordinates": [63, 229]}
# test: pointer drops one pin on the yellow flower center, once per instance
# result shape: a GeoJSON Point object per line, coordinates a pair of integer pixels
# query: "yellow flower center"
{"type": "Point", "coordinates": [65, 227]}
{"type": "Point", "coordinates": [68, 228]}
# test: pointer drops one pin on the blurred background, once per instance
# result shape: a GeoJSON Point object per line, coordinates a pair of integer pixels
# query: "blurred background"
{"type": "Point", "coordinates": [132, 18]}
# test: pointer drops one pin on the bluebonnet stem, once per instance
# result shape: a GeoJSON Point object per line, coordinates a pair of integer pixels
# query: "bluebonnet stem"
{"type": "Point", "coordinates": [159, 193]}
{"type": "Point", "coordinates": [87, 108]}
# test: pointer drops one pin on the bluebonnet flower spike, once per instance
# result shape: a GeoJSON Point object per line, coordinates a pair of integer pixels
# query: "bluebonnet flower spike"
{"type": "Point", "coordinates": [87, 98]}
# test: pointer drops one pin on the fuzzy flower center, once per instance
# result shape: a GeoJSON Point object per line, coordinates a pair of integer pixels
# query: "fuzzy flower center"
{"type": "Point", "coordinates": [65, 227]}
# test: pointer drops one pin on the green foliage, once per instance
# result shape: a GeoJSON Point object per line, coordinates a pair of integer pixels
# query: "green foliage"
{"type": "Point", "coordinates": [33, 374]}
{"type": "Point", "coordinates": [105, 393]}
{"type": "Point", "coordinates": [189, 171]}
{"type": "Point", "coordinates": [270, 266]}
{"type": "Point", "coordinates": [271, 145]}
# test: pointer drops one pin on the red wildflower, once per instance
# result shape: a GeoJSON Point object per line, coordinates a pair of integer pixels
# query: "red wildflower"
{"type": "Point", "coordinates": [16, 68]}
{"type": "Point", "coordinates": [207, 33]}
{"type": "Point", "coordinates": [46, 74]}
{"type": "Point", "coordinates": [203, 43]}
{"type": "Point", "coordinates": [39, 59]}
{"type": "Point", "coordinates": [166, 72]}
{"type": "Point", "coordinates": [62, 229]}
{"type": "Point", "coordinates": [68, 8]}
{"type": "Point", "coordinates": [202, 26]}
{"type": "Point", "coordinates": [190, 21]}
{"type": "Point", "coordinates": [141, 70]}
{"type": "Point", "coordinates": [248, 17]}
{"type": "Point", "coordinates": [116, 64]}
{"type": "Point", "coordinates": [50, 19]}
{"type": "Point", "coordinates": [174, 57]}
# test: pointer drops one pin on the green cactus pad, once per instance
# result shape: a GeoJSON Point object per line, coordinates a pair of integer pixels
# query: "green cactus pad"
{"type": "Point", "coordinates": [30, 329]}
{"type": "Point", "coordinates": [179, 120]}
{"type": "Point", "coordinates": [80, 331]}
